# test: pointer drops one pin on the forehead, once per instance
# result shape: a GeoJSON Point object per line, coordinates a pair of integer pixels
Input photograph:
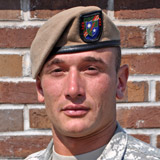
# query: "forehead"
{"type": "Point", "coordinates": [105, 54]}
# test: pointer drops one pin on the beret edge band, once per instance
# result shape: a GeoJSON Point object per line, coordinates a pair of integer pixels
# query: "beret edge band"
{"type": "Point", "coordinates": [86, 47]}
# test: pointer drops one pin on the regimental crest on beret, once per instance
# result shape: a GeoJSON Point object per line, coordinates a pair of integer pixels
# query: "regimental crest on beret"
{"type": "Point", "coordinates": [91, 25]}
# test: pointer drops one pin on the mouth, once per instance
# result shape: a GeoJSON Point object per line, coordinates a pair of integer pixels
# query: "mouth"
{"type": "Point", "coordinates": [75, 110]}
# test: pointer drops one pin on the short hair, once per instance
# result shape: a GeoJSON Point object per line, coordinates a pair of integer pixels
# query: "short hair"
{"type": "Point", "coordinates": [118, 58]}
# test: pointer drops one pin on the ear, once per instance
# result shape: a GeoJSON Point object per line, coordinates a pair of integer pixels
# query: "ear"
{"type": "Point", "coordinates": [39, 90]}
{"type": "Point", "coordinates": [122, 78]}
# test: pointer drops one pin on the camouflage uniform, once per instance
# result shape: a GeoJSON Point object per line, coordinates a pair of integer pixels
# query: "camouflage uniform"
{"type": "Point", "coordinates": [121, 147]}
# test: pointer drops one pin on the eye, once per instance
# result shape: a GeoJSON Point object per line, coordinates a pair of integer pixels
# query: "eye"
{"type": "Point", "coordinates": [57, 72]}
{"type": "Point", "coordinates": [92, 70]}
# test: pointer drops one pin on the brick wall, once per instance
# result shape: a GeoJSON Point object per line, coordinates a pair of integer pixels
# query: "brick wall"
{"type": "Point", "coordinates": [24, 127]}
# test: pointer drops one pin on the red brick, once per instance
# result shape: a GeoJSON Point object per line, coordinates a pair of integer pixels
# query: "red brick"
{"type": "Point", "coordinates": [132, 37]}
{"type": "Point", "coordinates": [158, 91]}
{"type": "Point", "coordinates": [157, 36]}
{"type": "Point", "coordinates": [17, 37]}
{"type": "Point", "coordinates": [10, 10]}
{"type": "Point", "coordinates": [139, 117]}
{"type": "Point", "coordinates": [144, 138]}
{"type": "Point", "coordinates": [136, 92]}
{"type": "Point", "coordinates": [144, 9]}
{"type": "Point", "coordinates": [22, 146]}
{"type": "Point", "coordinates": [11, 120]}
{"type": "Point", "coordinates": [10, 65]}
{"type": "Point", "coordinates": [142, 64]}
{"type": "Point", "coordinates": [21, 92]}
{"type": "Point", "coordinates": [39, 119]}
{"type": "Point", "coordinates": [47, 8]}
{"type": "Point", "coordinates": [158, 141]}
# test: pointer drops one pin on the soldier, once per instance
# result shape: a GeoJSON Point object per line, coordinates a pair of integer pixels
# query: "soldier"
{"type": "Point", "coordinates": [76, 63]}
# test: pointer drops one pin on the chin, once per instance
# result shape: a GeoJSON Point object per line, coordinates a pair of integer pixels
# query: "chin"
{"type": "Point", "coordinates": [76, 134]}
{"type": "Point", "coordinates": [78, 131]}
{"type": "Point", "coordinates": [75, 128]}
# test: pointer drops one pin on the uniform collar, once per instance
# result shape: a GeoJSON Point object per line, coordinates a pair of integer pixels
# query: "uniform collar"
{"type": "Point", "coordinates": [115, 149]}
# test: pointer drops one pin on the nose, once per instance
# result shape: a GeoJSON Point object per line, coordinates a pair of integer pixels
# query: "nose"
{"type": "Point", "coordinates": [74, 85]}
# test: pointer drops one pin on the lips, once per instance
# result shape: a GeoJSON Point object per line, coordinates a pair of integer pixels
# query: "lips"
{"type": "Point", "coordinates": [75, 110]}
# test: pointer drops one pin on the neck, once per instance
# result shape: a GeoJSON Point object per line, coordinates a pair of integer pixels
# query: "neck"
{"type": "Point", "coordinates": [69, 146]}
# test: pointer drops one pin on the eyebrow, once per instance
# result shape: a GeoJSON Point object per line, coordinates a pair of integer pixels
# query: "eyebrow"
{"type": "Point", "coordinates": [55, 61]}
{"type": "Point", "coordinates": [93, 59]}
{"type": "Point", "coordinates": [85, 59]}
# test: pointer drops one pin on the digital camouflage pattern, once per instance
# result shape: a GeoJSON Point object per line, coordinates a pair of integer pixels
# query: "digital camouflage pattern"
{"type": "Point", "coordinates": [121, 147]}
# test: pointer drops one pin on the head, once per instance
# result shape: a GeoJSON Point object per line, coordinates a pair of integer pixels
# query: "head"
{"type": "Point", "coordinates": [77, 71]}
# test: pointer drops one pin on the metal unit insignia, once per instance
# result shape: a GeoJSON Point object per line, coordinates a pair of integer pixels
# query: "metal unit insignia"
{"type": "Point", "coordinates": [91, 25]}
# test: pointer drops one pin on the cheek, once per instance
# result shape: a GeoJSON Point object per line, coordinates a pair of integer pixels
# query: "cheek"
{"type": "Point", "coordinates": [102, 93]}
{"type": "Point", "coordinates": [52, 89]}
{"type": "Point", "coordinates": [52, 93]}
{"type": "Point", "coordinates": [102, 86]}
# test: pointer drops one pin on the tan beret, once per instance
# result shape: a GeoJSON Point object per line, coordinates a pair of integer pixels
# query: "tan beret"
{"type": "Point", "coordinates": [73, 30]}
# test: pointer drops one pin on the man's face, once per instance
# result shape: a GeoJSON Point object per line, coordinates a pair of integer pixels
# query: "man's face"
{"type": "Point", "coordinates": [79, 91]}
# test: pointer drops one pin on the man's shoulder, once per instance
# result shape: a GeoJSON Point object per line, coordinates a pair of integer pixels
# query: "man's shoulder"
{"type": "Point", "coordinates": [45, 154]}
{"type": "Point", "coordinates": [137, 149]}
{"type": "Point", "coordinates": [36, 155]}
